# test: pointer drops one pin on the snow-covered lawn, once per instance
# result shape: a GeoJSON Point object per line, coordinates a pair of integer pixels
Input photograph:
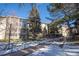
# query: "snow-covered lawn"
{"type": "Point", "coordinates": [15, 47]}
{"type": "Point", "coordinates": [50, 49]}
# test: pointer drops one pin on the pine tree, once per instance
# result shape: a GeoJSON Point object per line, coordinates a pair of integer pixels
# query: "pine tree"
{"type": "Point", "coordinates": [35, 19]}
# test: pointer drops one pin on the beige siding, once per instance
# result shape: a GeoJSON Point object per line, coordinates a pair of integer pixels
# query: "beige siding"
{"type": "Point", "coordinates": [15, 27]}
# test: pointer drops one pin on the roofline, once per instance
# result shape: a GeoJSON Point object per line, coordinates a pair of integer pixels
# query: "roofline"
{"type": "Point", "coordinates": [14, 16]}
{"type": "Point", "coordinates": [9, 16]}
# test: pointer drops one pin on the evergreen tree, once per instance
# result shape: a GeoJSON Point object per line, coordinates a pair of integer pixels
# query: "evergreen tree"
{"type": "Point", "coordinates": [34, 19]}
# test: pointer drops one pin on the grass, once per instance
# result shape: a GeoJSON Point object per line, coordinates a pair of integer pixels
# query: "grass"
{"type": "Point", "coordinates": [7, 40]}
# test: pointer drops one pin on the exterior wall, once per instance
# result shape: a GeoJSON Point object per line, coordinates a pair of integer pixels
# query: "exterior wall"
{"type": "Point", "coordinates": [60, 30]}
{"type": "Point", "coordinates": [65, 30]}
{"type": "Point", "coordinates": [74, 30]}
{"type": "Point", "coordinates": [43, 27]}
{"type": "Point", "coordinates": [15, 27]}
{"type": "Point", "coordinates": [2, 27]}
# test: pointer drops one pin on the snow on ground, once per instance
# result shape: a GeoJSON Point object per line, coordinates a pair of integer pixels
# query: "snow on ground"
{"type": "Point", "coordinates": [50, 50]}
{"type": "Point", "coordinates": [71, 50]}
{"type": "Point", "coordinates": [15, 47]}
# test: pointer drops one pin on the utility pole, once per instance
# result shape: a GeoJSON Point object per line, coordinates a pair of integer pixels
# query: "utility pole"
{"type": "Point", "coordinates": [9, 36]}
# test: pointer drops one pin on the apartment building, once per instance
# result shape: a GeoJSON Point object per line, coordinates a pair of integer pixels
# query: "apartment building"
{"type": "Point", "coordinates": [9, 27]}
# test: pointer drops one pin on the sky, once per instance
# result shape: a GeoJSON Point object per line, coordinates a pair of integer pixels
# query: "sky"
{"type": "Point", "coordinates": [23, 11]}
